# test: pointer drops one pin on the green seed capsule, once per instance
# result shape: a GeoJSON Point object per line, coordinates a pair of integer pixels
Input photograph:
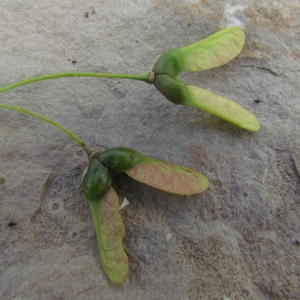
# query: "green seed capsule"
{"type": "Point", "coordinates": [169, 63]}
{"type": "Point", "coordinates": [173, 89]}
{"type": "Point", "coordinates": [96, 180]}
{"type": "Point", "coordinates": [119, 159]}
{"type": "Point", "coordinates": [104, 205]}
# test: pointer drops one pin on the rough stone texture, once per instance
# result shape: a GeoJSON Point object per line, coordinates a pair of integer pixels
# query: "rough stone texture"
{"type": "Point", "coordinates": [238, 240]}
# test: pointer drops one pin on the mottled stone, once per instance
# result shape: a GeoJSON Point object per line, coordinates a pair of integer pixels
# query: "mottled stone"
{"type": "Point", "coordinates": [237, 240]}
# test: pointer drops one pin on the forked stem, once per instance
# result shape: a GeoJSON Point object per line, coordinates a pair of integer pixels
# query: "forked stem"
{"type": "Point", "coordinates": [87, 150]}
{"type": "Point", "coordinates": [146, 78]}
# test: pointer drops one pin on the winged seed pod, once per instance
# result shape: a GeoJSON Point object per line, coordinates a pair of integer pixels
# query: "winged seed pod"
{"type": "Point", "coordinates": [214, 51]}
{"type": "Point", "coordinates": [103, 200]}
{"type": "Point", "coordinates": [178, 92]}
{"type": "Point", "coordinates": [104, 205]}
{"type": "Point", "coordinates": [161, 175]}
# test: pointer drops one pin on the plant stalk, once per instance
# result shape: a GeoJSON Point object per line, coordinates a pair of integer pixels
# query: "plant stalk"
{"type": "Point", "coordinates": [145, 77]}
{"type": "Point", "coordinates": [87, 150]}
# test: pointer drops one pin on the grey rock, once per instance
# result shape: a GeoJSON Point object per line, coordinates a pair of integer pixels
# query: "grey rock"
{"type": "Point", "coordinates": [238, 240]}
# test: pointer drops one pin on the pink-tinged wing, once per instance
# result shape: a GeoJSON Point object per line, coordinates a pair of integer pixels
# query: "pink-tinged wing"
{"type": "Point", "coordinates": [168, 177]}
{"type": "Point", "coordinates": [222, 107]}
{"type": "Point", "coordinates": [214, 51]}
{"type": "Point", "coordinates": [110, 232]}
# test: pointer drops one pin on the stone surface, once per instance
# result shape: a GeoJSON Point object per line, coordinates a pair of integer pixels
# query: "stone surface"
{"type": "Point", "coordinates": [238, 240]}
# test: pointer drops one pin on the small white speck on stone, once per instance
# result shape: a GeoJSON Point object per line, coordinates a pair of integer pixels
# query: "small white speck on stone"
{"type": "Point", "coordinates": [125, 203]}
{"type": "Point", "coordinates": [232, 20]}
{"type": "Point", "coordinates": [84, 172]}
{"type": "Point", "coordinates": [168, 237]}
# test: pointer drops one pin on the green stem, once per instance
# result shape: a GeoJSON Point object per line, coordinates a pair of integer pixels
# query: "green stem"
{"type": "Point", "coordinates": [146, 78]}
{"type": "Point", "coordinates": [68, 132]}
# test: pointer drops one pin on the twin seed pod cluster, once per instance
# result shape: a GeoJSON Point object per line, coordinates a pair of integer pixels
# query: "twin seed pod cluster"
{"type": "Point", "coordinates": [214, 51]}
{"type": "Point", "coordinates": [103, 200]}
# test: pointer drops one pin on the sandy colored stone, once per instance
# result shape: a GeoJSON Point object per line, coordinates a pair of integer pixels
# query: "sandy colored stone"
{"type": "Point", "coordinates": [238, 240]}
